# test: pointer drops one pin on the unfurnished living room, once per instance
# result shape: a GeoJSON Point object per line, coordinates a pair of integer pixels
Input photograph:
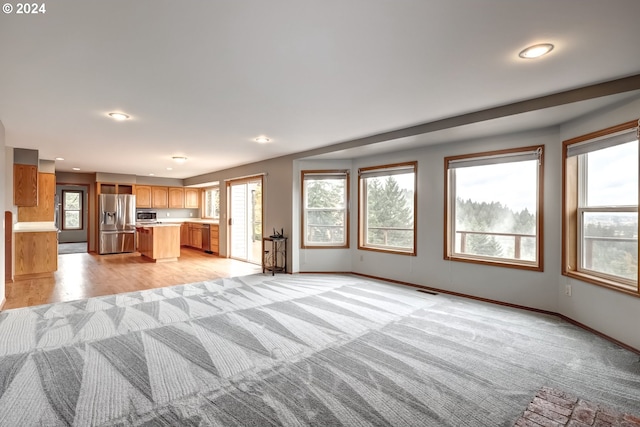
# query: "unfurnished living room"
{"type": "Point", "coordinates": [324, 213]}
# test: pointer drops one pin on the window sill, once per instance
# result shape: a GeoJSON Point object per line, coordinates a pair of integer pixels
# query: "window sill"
{"type": "Point", "coordinates": [609, 284]}
{"type": "Point", "coordinates": [387, 251]}
{"type": "Point", "coordinates": [531, 266]}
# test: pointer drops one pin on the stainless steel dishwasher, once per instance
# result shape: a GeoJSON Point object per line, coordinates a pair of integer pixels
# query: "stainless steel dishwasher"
{"type": "Point", "coordinates": [206, 238]}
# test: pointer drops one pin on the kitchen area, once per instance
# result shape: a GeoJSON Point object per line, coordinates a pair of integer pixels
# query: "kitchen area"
{"type": "Point", "coordinates": [155, 221]}
{"type": "Point", "coordinates": [125, 215]}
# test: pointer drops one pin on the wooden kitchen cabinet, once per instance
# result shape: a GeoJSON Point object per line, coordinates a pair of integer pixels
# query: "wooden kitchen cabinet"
{"type": "Point", "coordinates": [191, 198]}
{"type": "Point", "coordinates": [160, 197]}
{"type": "Point", "coordinates": [184, 234]}
{"type": "Point", "coordinates": [214, 236]}
{"type": "Point", "coordinates": [36, 253]}
{"type": "Point", "coordinates": [176, 197]}
{"type": "Point", "coordinates": [143, 196]}
{"type": "Point", "coordinates": [159, 242]}
{"type": "Point", "coordinates": [44, 211]}
{"type": "Point", "coordinates": [25, 185]}
{"type": "Point", "coordinates": [108, 188]}
{"type": "Point", "coordinates": [195, 235]}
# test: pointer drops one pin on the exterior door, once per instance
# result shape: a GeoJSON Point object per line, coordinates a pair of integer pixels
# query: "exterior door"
{"type": "Point", "coordinates": [245, 219]}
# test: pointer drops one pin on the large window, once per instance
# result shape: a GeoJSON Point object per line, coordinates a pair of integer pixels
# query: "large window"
{"type": "Point", "coordinates": [71, 210]}
{"type": "Point", "coordinates": [493, 208]}
{"type": "Point", "coordinates": [387, 208]}
{"type": "Point", "coordinates": [600, 225]}
{"type": "Point", "coordinates": [325, 213]}
{"type": "Point", "coordinates": [212, 203]}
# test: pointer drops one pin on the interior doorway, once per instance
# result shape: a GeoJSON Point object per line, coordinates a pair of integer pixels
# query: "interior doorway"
{"type": "Point", "coordinates": [245, 218]}
{"type": "Point", "coordinates": [72, 218]}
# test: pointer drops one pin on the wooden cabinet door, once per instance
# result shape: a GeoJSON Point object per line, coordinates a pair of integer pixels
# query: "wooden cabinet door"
{"type": "Point", "coordinates": [176, 198]}
{"type": "Point", "coordinates": [191, 198]}
{"type": "Point", "coordinates": [184, 235]}
{"type": "Point", "coordinates": [195, 236]}
{"type": "Point", "coordinates": [143, 196]}
{"type": "Point", "coordinates": [160, 197]}
{"type": "Point", "coordinates": [25, 185]}
{"type": "Point", "coordinates": [36, 253]}
{"type": "Point", "coordinates": [44, 211]}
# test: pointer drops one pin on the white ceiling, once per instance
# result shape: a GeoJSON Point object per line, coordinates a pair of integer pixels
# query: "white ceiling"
{"type": "Point", "coordinates": [204, 78]}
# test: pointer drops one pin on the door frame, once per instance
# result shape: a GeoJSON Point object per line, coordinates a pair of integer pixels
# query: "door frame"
{"type": "Point", "coordinates": [237, 181]}
{"type": "Point", "coordinates": [86, 208]}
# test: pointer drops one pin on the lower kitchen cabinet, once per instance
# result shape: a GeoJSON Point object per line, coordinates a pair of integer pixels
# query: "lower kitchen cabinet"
{"type": "Point", "coordinates": [36, 253]}
{"type": "Point", "coordinates": [195, 235]}
{"type": "Point", "coordinates": [159, 243]}
{"type": "Point", "coordinates": [214, 236]}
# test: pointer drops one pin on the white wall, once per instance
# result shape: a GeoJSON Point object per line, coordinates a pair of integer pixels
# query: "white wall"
{"type": "Point", "coordinates": [610, 312]}
{"type": "Point", "coordinates": [3, 200]}
{"type": "Point", "coordinates": [320, 260]}
{"type": "Point", "coordinates": [429, 268]}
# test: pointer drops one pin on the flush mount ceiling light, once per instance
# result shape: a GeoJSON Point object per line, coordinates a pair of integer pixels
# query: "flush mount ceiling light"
{"type": "Point", "coordinates": [76, 169]}
{"type": "Point", "coordinates": [536, 51]}
{"type": "Point", "coordinates": [60, 158]}
{"type": "Point", "coordinates": [262, 139]}
{"type": "Point", "coordinates": [179, 159]}
{"type": "Point", "coordinates": [119, 116]}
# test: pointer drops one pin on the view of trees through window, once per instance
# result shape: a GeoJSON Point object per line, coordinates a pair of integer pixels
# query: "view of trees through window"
{"type": "Point", "coordinates": [389, 210]}
{"type": "Point", "coordinates": [72, 210]}
{"type": "Point", "coordinates": [495, 210]}
{"type": "Point", "coordinates": [212, 203]}
{"type": "Point", "coordinates": [325, 205]}
{"type": "Point", "coordinates": [608, 208]}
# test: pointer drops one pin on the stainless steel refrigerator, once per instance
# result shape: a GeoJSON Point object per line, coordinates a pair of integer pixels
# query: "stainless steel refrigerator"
{"type": "Point", "coordinates": [117, 223]}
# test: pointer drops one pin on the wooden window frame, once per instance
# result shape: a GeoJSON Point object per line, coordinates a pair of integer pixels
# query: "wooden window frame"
{"type": "Point", "coordinates": [347, 213]}
{"type": "Point", "coordinates": [64, 210]}
{"type": "Point", "coordinates": [570, 217]}
{"type": "Point", "coordinates": [449, 253]}
{"type": "Point", "coordinates": [361, 210]}
{"type": "Point", "coordinates": [204, 202]}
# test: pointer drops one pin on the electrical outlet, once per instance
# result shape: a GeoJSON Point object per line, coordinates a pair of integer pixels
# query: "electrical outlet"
{"type": "Point", "coordinates": [168, 214]}
{"type": "Point", "coordinates": [190, 213]}
{"type": "Point", "coordinates": [567, 290]}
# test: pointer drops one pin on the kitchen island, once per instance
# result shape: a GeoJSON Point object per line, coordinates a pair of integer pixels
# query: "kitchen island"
{"type": "Point", "coordinates": [159, 242]}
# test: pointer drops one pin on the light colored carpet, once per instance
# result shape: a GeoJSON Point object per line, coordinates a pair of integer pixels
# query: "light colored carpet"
{"type": "Point", "coordinates": [323, 350]}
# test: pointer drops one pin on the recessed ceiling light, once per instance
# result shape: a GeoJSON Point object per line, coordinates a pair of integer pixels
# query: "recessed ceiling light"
{"type": "Point", "coordinates": [262, 139]}
{"type": "Point", "coordinates": [536, 51]}
{"type": "Point", "coordinates": [151, 174]}
{"type": "Point", "coordinates": [179, 159]}
{"type": "Point", "coordinates": [119, 116]}
{"type": "Point", "coordinates": [76, 169]}
{"type": "Point", "coordinates": [169, 169]}
{"type": "Point", "coordinates": [60, 158]}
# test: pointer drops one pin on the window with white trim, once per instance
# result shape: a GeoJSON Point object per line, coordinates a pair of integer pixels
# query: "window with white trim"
{"type": "Point", "coordinates": [72, 210]}
{"type": "Point", "coordinates": [601, 207]}
{"type": "Point", "coordinates": [387, 202]}
{"type": "Point", "coordinates": [325, 213]}
{"type": "Point", "coordinates": [493, 208]}
{"type": "Point", "coordinates": [211, 198]}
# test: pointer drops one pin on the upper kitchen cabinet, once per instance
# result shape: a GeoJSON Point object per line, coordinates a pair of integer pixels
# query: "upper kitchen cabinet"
{"type": "Point", "coordinates": [25, 185]}
{"type": "Point", "coordinates": [107, 188]}
{"type": "Point", "coordinates": [176, 197]}
{"type": "Point", "coordinates": [160, 197]}
{"type": "Point", "coordinates": [143, 196]}
{"type": "Point", "coordinates": [44, 211]}
{"type": "Point", "coordinates": [191, 198]}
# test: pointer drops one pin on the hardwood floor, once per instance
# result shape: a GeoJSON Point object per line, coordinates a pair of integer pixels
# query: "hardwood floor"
{"type": "Point", "coordinates": [85, 275]}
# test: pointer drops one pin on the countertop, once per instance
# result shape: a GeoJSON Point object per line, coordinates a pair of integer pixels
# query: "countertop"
{"type": "Point", "coordinates": [157, 225]}
{"type": "Point", "coordinates": [34, 227]}
{"type": "Point", "coordinates": [169, 220]}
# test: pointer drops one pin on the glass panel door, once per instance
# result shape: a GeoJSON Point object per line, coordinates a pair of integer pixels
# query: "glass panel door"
{"type": "Point", "coordinates": [246, 219]}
